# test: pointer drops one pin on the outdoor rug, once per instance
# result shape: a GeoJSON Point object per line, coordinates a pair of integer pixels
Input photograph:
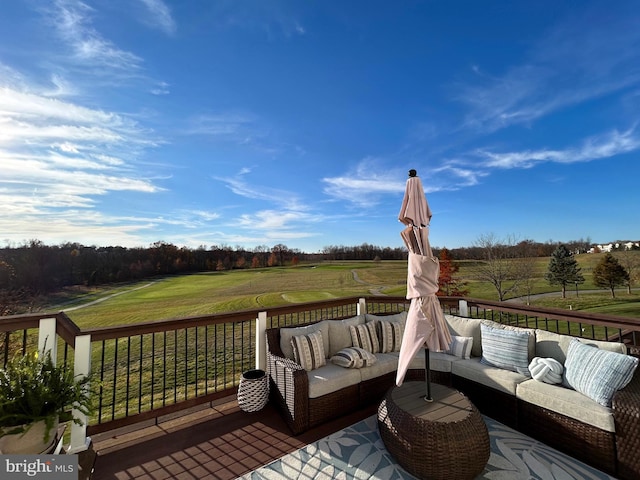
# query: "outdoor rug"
{"type": "Point", "coordinates": [357, 452]}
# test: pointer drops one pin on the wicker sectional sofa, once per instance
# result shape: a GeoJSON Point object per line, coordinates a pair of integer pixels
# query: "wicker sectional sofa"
{"type": "Point", "coordinates": [607, 437]}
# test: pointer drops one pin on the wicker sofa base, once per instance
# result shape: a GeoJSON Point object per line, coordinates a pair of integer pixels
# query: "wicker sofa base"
{"type": "Point", "coordinates": [325, 407]}
{"type": "Point", "coordinates": [585, 442]}
{"type": "Point", "coordinates": [491, 402]}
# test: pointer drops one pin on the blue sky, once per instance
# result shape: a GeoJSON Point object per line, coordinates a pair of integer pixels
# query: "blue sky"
{"type": "Point", "coordinates": [254, 123]}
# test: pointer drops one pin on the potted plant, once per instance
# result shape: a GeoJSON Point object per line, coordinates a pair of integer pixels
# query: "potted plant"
{"type": "Point", "coordinates": [36, 394]}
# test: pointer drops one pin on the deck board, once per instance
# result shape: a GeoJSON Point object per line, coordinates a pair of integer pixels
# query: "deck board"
{"type": "Point", "coordinates": [216, 442]}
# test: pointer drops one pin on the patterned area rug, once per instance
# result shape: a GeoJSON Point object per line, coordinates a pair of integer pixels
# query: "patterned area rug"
{"type": "Point", "coordinates": [357, 452]}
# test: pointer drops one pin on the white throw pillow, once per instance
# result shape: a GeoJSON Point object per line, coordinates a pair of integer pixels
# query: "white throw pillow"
{"type": "Point", "coordinates": [460, 347]}
{"type": "Point", "coordinates": [547, 370]}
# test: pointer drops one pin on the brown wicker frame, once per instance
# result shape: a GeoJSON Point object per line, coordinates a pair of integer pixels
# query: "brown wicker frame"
{"type": "Point", "coordinates": [434, 450]}
{"type": "Point", "coordinates": [491, 402]}
{"type": "Point", "coordinates": [289, 390]}
{"type": "Point", "coordinates": [585, 442]}
{"type": "Point", "coordinates": [616, 453]}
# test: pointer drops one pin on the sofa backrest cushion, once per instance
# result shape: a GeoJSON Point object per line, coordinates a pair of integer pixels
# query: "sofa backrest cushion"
{"type": "Point", "coordinates": [394, 317]}
{"type": "Point", "coordinates": [466, 327]}
{"type": "Point", "coordinates": [555, 345]}
{"type": "Point", "coordinates": [287, 333]}
{"type": "Point", "coordinates": [339, 335]}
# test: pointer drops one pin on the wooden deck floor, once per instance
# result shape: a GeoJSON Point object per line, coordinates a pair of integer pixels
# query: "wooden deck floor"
{"type": "Point", "coordinates": [218, 442]}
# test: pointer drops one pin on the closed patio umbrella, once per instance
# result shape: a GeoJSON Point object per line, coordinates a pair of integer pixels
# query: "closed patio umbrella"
{"type": "Point", "coordinates": [426, 326]}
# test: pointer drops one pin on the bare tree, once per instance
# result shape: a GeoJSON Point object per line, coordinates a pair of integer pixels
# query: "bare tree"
{"type": "Point", "coordinates": [526, 266]}
{"type": "Point", "coordinates": [497, 266]}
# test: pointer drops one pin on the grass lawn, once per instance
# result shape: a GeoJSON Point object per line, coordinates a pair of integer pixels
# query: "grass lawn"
{"type": "Point", "coordinates": [215, 292]}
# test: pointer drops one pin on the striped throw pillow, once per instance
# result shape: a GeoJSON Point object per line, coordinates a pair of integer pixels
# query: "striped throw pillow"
{"type": "Point", "coordinates": [506, 349]}
{"type": "Point", "coordinates": [353, 357]}
{"type": "Point", "coordinates": [460, 347]}
{"type": "Point", "coordinates": [308, 350]}
{"type": "Point", "coordinates": [364, 336]}
{"type": "Point", "coordinates": [597, 373]}
{"type": "Point", "coordinates": [390, 336]}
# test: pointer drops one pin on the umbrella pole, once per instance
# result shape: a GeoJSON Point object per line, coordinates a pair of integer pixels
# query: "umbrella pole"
{"type": "Point", "coordinates": [427, 375]}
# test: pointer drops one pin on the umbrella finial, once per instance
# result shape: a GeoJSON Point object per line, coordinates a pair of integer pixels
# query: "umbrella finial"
{"type": "Point", "coordinates": [413, 173]}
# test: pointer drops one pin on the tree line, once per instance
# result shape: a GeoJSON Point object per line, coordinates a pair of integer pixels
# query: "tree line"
{"type": "Point", "coordinates": [35, 268]}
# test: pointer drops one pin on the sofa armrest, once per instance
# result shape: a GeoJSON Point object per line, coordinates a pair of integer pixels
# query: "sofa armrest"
{"type": "Point", "coordinates": [626, 414]}
{"type": "Point", "coordinates": [289, 384]}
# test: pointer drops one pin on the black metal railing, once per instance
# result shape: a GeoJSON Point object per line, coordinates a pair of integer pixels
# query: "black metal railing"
{"type": "Point", "coordinates": [150, 369]}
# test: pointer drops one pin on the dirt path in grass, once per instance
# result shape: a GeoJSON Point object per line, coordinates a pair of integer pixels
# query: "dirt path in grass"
{"type": "Point", "coordinates": [373, 290]}
{"type": "Point", "coordinates": [100, 300]}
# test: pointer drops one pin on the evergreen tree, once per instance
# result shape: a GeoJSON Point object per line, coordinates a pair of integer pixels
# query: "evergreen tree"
{"type": "Point", "coordinates": [563, 269]}
{"type": "Point", "coordinates": [609, 273]}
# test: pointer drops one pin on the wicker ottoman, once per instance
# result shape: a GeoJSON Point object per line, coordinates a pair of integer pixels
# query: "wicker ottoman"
{"type": "Point", "coordinates": [443, 439]}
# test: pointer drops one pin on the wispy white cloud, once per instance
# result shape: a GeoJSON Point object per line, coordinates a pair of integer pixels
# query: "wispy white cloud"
{"type": "Point", "coordinates": [452, 177]}
{"type": "Point", "coordinates": [593, 148]}
{"type": "Point", "coordinates": [364, 185]}
{"type": "Point", "coordinates": [236, 127]}
{"type": "Point", "coordinates": [160, 16]}
{"type": "Point", "coordinates": [577, 61]}
{"type": "Point", "coordinates": [239, 186]}
{"type": "Point", "coordinates": [276, 220]}
{"type": "Point", "coordinates": [72, 20]}
{"type": "Point", "coordinates": [161, 88]}
{"type": "Point", "coordinates": [57, 158]}
{"type": "Point", "coordinates": [239, 128]}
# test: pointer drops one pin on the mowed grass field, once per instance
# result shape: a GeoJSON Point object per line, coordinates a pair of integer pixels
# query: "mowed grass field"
{"type": "Point", "coordinates": [215, 292]}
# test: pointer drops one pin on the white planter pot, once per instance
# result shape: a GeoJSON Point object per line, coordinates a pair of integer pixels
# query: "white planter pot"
{"type": "Point", "coordinates": [31, 441]}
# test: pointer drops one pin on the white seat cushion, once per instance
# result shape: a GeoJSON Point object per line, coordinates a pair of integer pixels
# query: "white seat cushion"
{"type": "Point", "coordinates": [385, 363]}
{"type": "Point", "coordinates": [503, 380]}
{"type": "Point", "coordinates": [331, 378]}
{"type": "Point", "coordinates": [566, 402]}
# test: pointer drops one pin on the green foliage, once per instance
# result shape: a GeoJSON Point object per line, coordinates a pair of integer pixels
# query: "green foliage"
{"type": "Point", "coordinates": [610, 274]}
{"type": "Point", "coordinates": [33, 388]}
{"type": "Point", "coordinates": [563, 269]}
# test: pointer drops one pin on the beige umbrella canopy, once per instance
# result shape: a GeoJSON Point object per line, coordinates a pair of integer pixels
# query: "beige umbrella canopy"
{"type": "Point", "coordinates": [426, 326]}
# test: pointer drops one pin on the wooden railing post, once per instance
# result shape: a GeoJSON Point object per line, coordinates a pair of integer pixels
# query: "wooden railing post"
{"type": "Point", "coordinates": [81, 368]}
{"type": "Point", "coordinates": [261, 341]}
{"type": "Point", "coordinates": [47, 340]}
{"type": "Point", "coordinates": [463, 308]}
{"type": "Point", "coordinates": [362, 306]}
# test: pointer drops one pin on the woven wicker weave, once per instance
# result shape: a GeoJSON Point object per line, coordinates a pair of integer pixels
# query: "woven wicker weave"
{"type": "Point", "coordinates": [584, 442]}
{"type": "Point", "coordinates": [626, 411]}
{"type": "Point", "coordinates": [253, 391]}
{"type": "Point", "coordinates": [457, 449]}
{"type": "Point", "coordinates": [290, 390]}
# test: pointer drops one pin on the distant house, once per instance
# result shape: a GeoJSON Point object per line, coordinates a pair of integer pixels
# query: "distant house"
{"type": "Point", "coordinates": [606, 248]}
{"type": "Point", "coordinates": [614, 246]}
